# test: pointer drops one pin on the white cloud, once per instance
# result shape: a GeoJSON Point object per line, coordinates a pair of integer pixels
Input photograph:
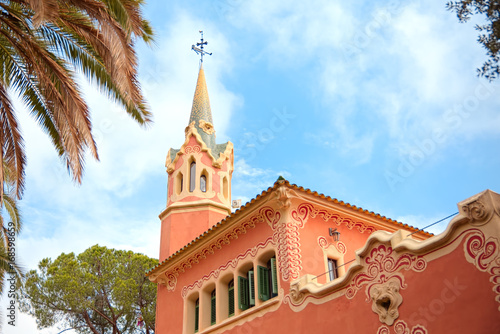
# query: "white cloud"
{"type": "Point", "coordinates": [252, 180]}
{"type": "Point", "coordinates": [294, 31]}
{"type": "Point", "coordinates": [346, 142]}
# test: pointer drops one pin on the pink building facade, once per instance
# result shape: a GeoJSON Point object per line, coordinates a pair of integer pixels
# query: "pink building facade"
{"type": "Point", "coordinates": [295, 261]}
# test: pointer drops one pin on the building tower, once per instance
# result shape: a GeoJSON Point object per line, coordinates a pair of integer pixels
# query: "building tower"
{"type": "Point", "coordinates": [199, 178]}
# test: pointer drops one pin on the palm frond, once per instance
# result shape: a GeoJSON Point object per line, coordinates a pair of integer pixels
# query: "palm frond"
{"type": "Point", "coordinates": [42, 43]}
{"type": "Point", "coordinates": [45, 10]}
{"type": "Point", "coordinates": [12, 148]}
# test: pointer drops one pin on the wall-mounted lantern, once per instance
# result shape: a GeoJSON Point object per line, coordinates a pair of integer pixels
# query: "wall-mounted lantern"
{"type": "Point", "coordinates": [334, 233]}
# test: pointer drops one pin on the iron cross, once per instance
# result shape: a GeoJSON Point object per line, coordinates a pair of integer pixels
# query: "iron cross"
{"type": "Point", "coordinates": [199, 47]}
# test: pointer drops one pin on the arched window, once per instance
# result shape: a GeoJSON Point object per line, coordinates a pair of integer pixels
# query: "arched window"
{"type": "Point", "coordinates": [178, 183]}
{"type": "Point", "coordinates": [268, 280]}
{"type": "Point", "coordinates": [246, 290]}
{"type": "Point", "coordinates": [203, 183]}
{"type": "Point", "coordinates": [192, 176]}
{"type": "Point", "coordinates": [230, 296]}
{"type": "Point", "coordinates": [225, 187]}
{"type": "Point", "coordinates": [196, 315]}
{"type": "Point", "coordinates": [332, 269]}
{"type": "Point", "coordinates": [212, 308]}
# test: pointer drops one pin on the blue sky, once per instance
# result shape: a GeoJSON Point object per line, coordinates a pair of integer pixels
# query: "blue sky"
{"type": "Point", "coordinates": [375, 103]}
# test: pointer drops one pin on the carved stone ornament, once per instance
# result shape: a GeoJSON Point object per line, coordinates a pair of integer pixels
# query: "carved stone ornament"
{"type": "Point", "coordinates": [207, 127]}
{"type": "Point", "coordinates": [386, 300]}
{"type": "Point", "coordinates": [477, 213]}
{"type": "Point", "coordinates": [283, 197]}
{"type": "Point", "coordinates": [295, 293]}
{"type": "Point", "coordinates": [481, 208]}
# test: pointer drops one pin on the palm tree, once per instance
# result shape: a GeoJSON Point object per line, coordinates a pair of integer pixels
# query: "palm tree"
{"type": "Point", "coordinates": [42, 43]}
{"type": "Point", "coordinates": [8, 233]}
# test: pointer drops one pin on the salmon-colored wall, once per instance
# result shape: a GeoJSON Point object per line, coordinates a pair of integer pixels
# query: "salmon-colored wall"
{"type": "Point", "coordinates": [180, 228]}
{"type": "Point", "coordinates": [168, 320]}
{"type": "Point", "coordinates": [313, 255]}
{"type": "Point", "coordinates": [442, 292]}
{"type": "Point", "coordinates": [440, 299]}
{"type": "Point", "coordinates": [451, 296]}
{"type": "Point", "coordinates": [216, 182]}
{"type": "Point", "coordinates": [170, 305]}
{"type": "Point", "coordinates": [205, 159]}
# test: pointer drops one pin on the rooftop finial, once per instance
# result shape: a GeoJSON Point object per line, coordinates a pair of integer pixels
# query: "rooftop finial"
{"type": "Point", "coordinates": [199, 50]}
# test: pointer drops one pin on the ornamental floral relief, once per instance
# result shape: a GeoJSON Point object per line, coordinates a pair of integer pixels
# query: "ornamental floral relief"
{"type": "Point", "coordinates": [484, 254]}
{"type": "Point", "coordinates": [383, 279]}
{"type": "Point", "coordinates": [477, 213]}
{"type": "Point", "coordinates": [339, 245]}
{"type": "Point", "coordinates": [306, 210]}
{"type": "Point", "coordinates": [296, 295]}
{"type": "Point", "coordinates": [287, 240]}
{"type": "Point", "coordinates": [286, 237]}
{"type": "Point", "coordinates": [401, 327]}
{"type": "Point", "coordinates": [192, 149]}
{"type": "Point", "coordinates": [383, 264]}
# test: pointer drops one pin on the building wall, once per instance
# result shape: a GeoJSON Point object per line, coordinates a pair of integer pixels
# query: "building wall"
{"type": "Point", "coordinates": [449, 283]}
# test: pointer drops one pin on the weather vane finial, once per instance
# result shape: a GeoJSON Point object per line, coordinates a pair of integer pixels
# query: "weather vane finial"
{"type": "Point", "coordinates": [199, 50]}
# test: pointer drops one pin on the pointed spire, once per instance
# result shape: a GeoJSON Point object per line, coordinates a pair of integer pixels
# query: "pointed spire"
{"type": "Point", "coordinates": [201, 102]}
{"type": "Point", "coordinates": [201, 114]}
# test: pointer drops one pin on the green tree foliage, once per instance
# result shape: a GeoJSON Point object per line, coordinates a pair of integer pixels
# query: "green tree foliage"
{"type": "Point", "coordinates": [100, 291]}
{"type": "Point", "coordinates": [489, 33]}
{"type": "Point", "coordinates": [43, 43]}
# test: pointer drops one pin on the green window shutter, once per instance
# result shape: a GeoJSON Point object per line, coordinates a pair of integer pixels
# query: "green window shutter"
{"type": "Point", "coordinates": [263, 275]}
{"type": "Point", "coordinates": [243, 293]}
{"type": "Point", "coordinates": [274, 277]}
{"type": "Point", "coordinates": [212, 313]}
{"type": "Point", "coordinates": [231, 301]}
{"type": "Point", "coordinates": [251, 288]}
{"type": "Point", "coordinates": [196, 317]}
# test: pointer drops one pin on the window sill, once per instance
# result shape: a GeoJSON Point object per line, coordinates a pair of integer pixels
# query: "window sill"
{"type": "Point", "coordinates": [246, 313]}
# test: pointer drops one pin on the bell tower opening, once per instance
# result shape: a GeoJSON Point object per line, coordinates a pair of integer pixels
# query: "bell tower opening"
{"type": "Point", "coordinates": [204, 181]}
{"type": "Point", "coordinates": [179, 183]}
{"type": "Point", "coordinates": [192, 176]}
